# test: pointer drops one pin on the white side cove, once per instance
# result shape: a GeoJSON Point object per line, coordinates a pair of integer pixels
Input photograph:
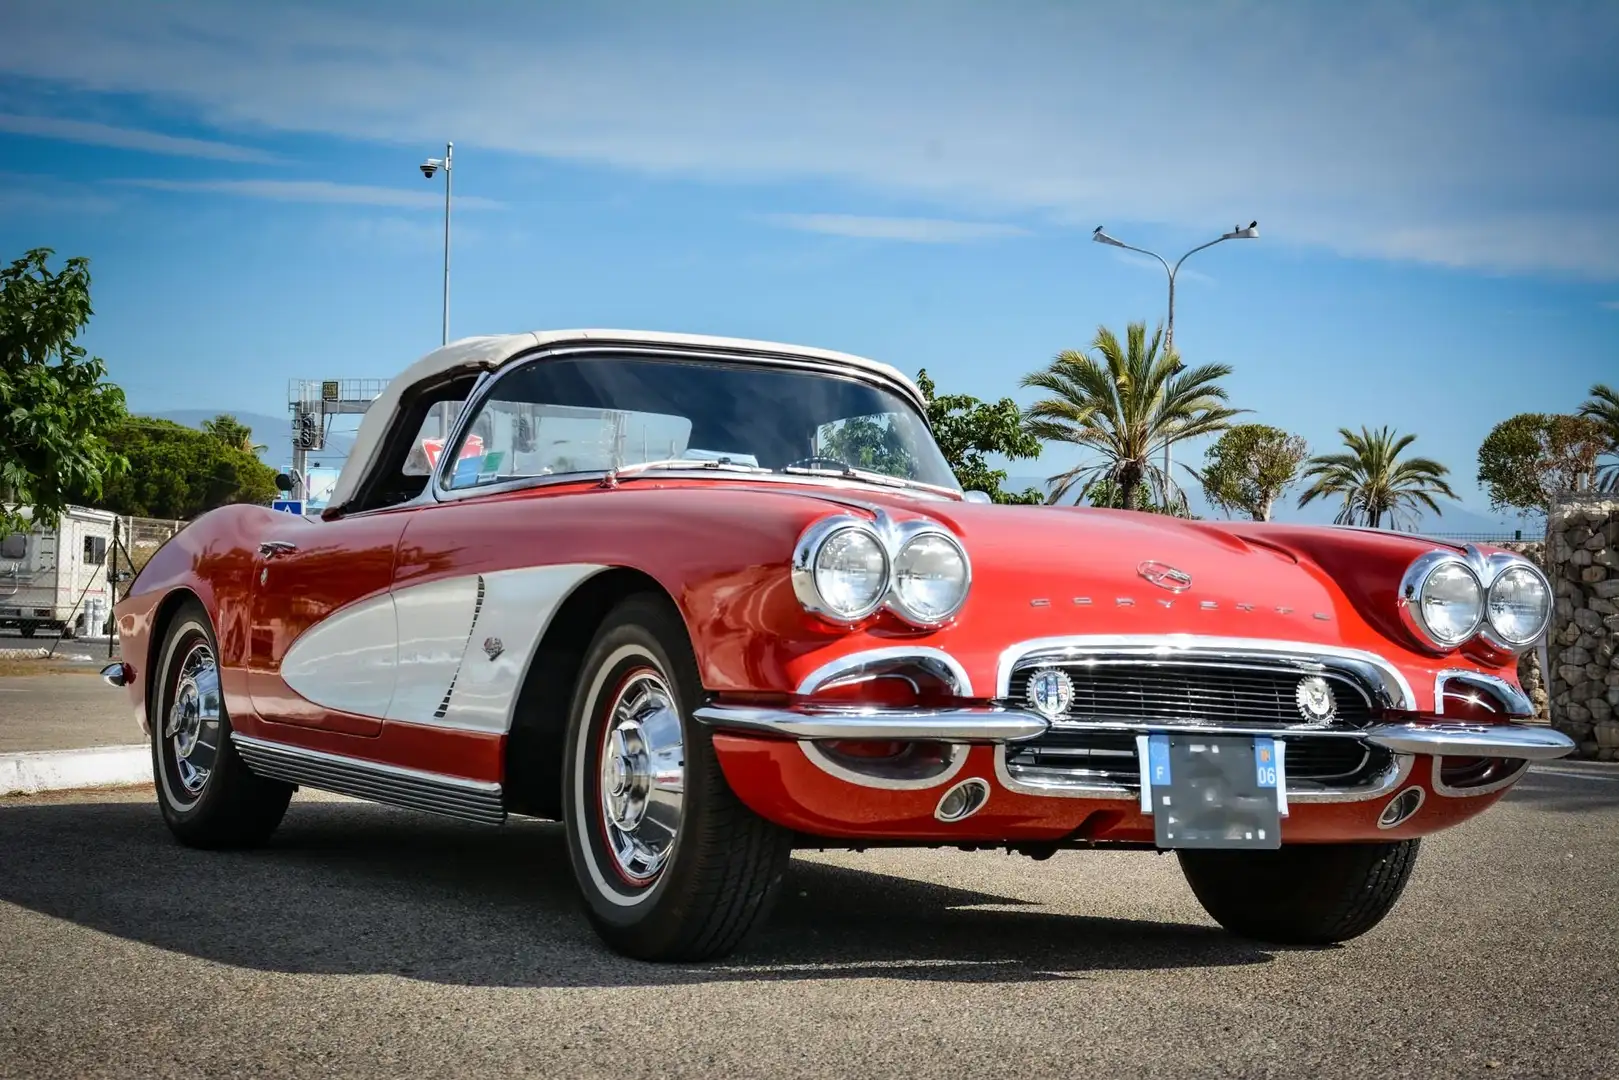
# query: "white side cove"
{"type": "Point", "coordinates": [450, 653]}
{"type": "Point", "coordinates": [435, 621]}
{"type": "Point", "coordinates": [348, 661]}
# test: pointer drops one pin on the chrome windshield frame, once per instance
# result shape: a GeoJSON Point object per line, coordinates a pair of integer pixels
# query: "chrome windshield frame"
{"type": "Point", "coordinates": [439, 490]}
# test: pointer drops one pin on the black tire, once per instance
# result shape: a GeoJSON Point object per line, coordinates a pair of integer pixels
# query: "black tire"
{"type": "Point", "coordinates": [231, 807]}
{"type": "Point", "coordinates": [1307, 894]}
{"type": "Point", "coordinates": [719, 877]}
{"type": "Point", "coordinates": [26, 629]}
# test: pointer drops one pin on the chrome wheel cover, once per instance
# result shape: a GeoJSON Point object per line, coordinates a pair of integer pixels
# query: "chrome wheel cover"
{"type": "Point", "coordinates": [193, 723]}
{"type": "Point", "coordinates": [641, 787]}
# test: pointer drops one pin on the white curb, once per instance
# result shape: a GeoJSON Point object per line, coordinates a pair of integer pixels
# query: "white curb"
{"type": "Point", "coordinates": [63, 770]}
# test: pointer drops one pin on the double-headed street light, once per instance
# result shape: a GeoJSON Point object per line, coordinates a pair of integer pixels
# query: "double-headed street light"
{"type": "Point", "coordinates": [429, 167]}
{"type": "Point", "coordinates": [1238, 233]}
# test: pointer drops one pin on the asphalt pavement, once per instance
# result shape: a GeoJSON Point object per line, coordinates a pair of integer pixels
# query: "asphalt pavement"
{"type": "Point", "coordinates": [64, 711]}
{"type": "Point", "coordinates": [370, 942]}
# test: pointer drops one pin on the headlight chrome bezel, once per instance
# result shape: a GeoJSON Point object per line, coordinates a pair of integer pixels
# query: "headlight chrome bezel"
{"type": "Point", "coordinates": [892, 538]}
{"type": "Point", "coordinates": [1485, 570]}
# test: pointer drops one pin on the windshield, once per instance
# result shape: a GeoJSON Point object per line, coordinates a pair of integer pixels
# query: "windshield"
{"type": "Point", "coordinates": [596, 413]}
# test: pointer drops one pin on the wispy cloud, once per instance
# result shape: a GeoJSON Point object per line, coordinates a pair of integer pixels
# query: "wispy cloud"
{"type": "Point", "coordinates": [150, 142]}
{"type": "Point", "coordinates": [1147, 262]}
{"type": "Point", "coordinates": [913, 230]}
{"type": "Point", "coordinates": [1483, 136]}
{"type": "Point", "coordinates": [318, 191]}
{"type": "Point", "coordinates": [45, 196]}
{"type": "Point", "coordinates": [1611, 305]}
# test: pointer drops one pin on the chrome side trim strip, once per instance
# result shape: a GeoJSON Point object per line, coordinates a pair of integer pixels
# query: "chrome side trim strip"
{"type": "Point", "coordinates": [1472, 740]}
{"type": "Point", "coordinates": [1442, 788]}
{"type": "Point", "coordinates": [974, 724]}
{"type": "Point", "coordinates": [875, 663]}
{"type": "Point", "coordinates": [411, 789]}
{"type": "Point", "coordinates": [1513, 700]}
{"type": "Point", "coordinates": [1377, 673]}
{"type": "Point", "coordinates": [958, 758]}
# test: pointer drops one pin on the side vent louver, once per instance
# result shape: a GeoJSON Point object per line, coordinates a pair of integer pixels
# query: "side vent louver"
{"type": "Point", "coordinates": [477, 610]}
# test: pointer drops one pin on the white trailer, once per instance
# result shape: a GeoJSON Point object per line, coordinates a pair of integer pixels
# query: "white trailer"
{"type": "Point", "coordinates": [56, 580]}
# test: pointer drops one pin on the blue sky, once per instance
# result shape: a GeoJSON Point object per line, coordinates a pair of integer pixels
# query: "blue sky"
{"type": "Point", "coordinates": [1437, 187]}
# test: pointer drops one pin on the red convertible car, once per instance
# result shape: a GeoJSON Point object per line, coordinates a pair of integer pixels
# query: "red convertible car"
{"type": "Point", "coordinates": [704, 600]}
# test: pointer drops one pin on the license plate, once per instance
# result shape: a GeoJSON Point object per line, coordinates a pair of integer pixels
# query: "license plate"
{"type": "Point", "coordinates": [1221, 791]}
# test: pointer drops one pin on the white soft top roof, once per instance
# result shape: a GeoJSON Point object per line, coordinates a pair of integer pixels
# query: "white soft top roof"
{"type": "Point", "coordinates": [490, 353]}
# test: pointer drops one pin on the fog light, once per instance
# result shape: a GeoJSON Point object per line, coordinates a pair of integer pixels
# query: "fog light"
{"type": "Point", "coordinates": [963, 800]}
{"type": "Point", "coordinates": [1401, 807]}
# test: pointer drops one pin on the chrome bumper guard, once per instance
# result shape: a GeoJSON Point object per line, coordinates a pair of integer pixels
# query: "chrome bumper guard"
{"type": "Point", "coordinates": [992, 724]}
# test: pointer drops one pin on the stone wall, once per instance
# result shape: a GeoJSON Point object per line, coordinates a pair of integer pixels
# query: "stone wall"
{"type": "Point", "coordinates": [1583, 643]}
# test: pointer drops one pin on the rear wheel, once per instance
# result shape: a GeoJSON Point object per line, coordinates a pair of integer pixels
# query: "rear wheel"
{"type": "Point", "coordinates": [1307, 894]}
{"type": "Point", "coordinates": [27, 629]}
{"type": "Point", "coordinates": [671, 864]}
{"type": "Point", "coordinates": [208, 796]}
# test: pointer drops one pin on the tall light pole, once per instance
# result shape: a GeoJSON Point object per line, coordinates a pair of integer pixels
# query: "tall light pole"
{"type": "Point", "coordinates": [1239, 233]}
{"type": "Point", "coordinates": [429, 167]}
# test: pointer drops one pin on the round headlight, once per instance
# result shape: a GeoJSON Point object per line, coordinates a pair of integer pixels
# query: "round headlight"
{"type": "Point", "coordinates": [930, 579]}
{"type": "Point", "coordinates": [1519, 606]}
{"type": "Point", "coordinates": [840, 570]}
{"type": "Point", "coordinates": [1444, 600]}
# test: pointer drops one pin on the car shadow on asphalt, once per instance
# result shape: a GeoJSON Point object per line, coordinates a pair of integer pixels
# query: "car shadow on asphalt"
{"type": "Point", "coordinates": [352, 889]}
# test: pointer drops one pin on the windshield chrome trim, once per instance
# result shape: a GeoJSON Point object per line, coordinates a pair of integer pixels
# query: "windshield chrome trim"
{"type": "Point", "coordinates": [486, 386]}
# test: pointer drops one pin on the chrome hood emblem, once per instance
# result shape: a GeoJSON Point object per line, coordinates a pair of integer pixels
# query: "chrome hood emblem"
{"type": "Point", "coordinates": [1165, 576]}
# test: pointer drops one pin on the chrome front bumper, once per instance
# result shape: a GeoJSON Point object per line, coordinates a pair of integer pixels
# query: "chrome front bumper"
{"type": "Point", "coordinates": [991, 724]}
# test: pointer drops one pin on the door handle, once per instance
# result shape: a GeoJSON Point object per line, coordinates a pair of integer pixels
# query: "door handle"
{"type": "Point", "coordinates": [271, 548]}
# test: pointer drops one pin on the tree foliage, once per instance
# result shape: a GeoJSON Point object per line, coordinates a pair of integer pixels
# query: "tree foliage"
{"type": "Point", "coordinates": [966, 429]}
{"type": "Point", "coordinates": [232, 432]}
{"type": "Point", "coordinates": [1126, 402]}
{"type": "Point", "coordinates": [1249, 468]}
{"type": "Point", "coordinates": [1603, 408]}
{"type": "Point", "coordinates": [55, 410]}
{"type": "Point", "coordinates": [181, 472]}
{"type": "Point", "coordinates": [1104, 492]}
{"type": "Point", "coordinates": [1373, 482]}
{"type": "Point", "coordinates": [1526, 460]}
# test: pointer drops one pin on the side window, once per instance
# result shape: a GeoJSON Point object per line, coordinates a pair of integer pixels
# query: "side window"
{"type": "Point", "coordinates": [14, 547]}
{"type": "Point", "coordinates": [95, 550]}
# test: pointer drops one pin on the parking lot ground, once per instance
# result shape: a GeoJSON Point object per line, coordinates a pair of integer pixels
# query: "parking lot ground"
{"type": "Point", "coordinates": [365, 942]}
{"type": "Point", "coordinates": [64, 710]}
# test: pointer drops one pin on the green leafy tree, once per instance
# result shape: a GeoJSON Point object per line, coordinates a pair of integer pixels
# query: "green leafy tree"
{"type": "Point", "coordinates": [181, 472]}
{"type": "Point", "coordinates": [1603, 408]}
{"type": "Point", "coordinates": [1526, 460]}
{"type": "Point", "coordinates": [1250, 467]}
{"type": "Point", "coordinates": [967, 430]}
{"type": "Point", "coordinates": [232, 432]}
{"type": "Point", "coordinates": [1126, 402]}
{"type": "Point", "coordinates": [1374, 484]}
{"type": "Point", "coordinates": [55, 408]}
{"type": "Point", "coordinates": [1104, 492]}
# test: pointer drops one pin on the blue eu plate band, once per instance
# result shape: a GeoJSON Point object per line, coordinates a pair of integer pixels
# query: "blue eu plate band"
{"type": "Point", "coordinates": [1270, 767]}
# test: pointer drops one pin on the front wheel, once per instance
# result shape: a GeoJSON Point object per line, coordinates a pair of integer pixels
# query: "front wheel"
{"type": "Point", "coordinates": [207, 795]}
{"type": "Point", "coordinates": [671, 864]}
{"type": "Point", "coordinates": [1308, 894]}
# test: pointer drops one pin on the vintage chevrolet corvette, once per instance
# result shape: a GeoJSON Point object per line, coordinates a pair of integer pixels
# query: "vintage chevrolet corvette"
{"type": "Point", "coordinates": [705, 600]}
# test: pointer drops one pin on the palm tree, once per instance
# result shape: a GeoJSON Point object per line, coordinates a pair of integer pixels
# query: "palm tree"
{"type": "Point", "coordinates": [1604, 409]}
{"type": "Point", "coordinates": [1125, 402]}
{"type": "Point", "coordinates": [233, 433]}
{"type": "Point", "coordinates": [1373, 483]}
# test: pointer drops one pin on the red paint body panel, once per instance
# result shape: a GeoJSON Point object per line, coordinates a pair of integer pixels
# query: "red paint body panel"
{"type": "Point", "coordinates": [721, 550]}
{"type": "Point", "coordinates": [778, 782]}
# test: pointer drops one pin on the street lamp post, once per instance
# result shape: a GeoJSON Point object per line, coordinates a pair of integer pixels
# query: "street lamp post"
{"type": "Point", "coordinates": [429, 167]}
{"type": "Point", "coordinates": [1239, 233]}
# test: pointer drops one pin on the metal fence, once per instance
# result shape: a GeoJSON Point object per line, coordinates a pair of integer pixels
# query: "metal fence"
{"type": "Point", "coordinates": [1516, 536]}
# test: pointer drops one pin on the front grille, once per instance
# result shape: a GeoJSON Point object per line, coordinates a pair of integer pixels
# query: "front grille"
{"type": "Point", "coordinates": [1148, 692]}
{"type": "Point", "coordinates": [1109, 758]}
